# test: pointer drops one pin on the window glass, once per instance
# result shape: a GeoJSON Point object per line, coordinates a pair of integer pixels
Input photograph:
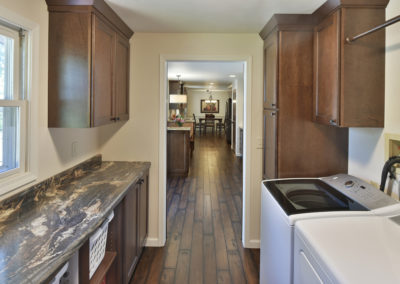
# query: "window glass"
{"type": "Point", "coordinates": [12, 107]}
{"type": "Point", "coordinates": [9, 138]}
{"type": "Point", "coordinates": [6, 67]}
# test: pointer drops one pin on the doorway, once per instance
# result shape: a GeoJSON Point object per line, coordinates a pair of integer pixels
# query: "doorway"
{"type": "Point", "coordinates": [205, 106]}
{"type": "Point", "coordinates": [204, 205]}
{"type": "Point", "coordinates": [247, 141]}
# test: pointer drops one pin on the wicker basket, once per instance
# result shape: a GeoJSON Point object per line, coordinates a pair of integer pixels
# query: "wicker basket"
{"type": "Point", "coordinates": [97, 246]}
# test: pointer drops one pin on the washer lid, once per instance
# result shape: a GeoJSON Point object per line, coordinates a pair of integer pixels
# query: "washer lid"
{"type": "Point", "coordinates": [309, 195]}
{"type": "Point", "coordinates": [363, 249]}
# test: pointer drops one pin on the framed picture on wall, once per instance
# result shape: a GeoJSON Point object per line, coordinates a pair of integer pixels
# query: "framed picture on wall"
{"type": "Point", "coordinates": [207, 106]}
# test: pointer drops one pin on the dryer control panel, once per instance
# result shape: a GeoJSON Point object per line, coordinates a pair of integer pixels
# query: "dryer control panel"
{"type": "Point", "coordinates": [360, 191]}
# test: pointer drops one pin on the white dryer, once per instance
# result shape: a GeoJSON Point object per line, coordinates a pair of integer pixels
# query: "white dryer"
{"type": "Point", "coordinates": [361, 249]}
{"type": "Point", "coordinates": [286, 201]}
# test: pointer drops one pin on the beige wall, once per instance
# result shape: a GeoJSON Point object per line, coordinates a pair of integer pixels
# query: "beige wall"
{"type": "Point", "coordinates": [50, 148]}
{"type": "Point", "coordinates": [366, 148]}
{"type": "Point", "coordinates": [139, 138]}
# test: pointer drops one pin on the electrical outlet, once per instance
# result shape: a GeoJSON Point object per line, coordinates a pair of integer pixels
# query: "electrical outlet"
{"type": "Point", "coordinates": [74, 149]}
{"type": "Point", "coordinates": [259, 143]}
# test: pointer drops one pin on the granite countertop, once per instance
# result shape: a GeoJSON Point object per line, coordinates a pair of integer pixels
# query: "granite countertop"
{"type": "Point", "coordinates": [39, 235]}
{"type": "Point", "coordinates": [178, 128]}
{"type": "Point", "coordinates": [189, 120]}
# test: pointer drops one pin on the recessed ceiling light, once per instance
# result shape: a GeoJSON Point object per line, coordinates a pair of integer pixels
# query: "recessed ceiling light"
{"type": "Point", "coordinates": [211, 83]}
{"type": "Point", "coordinates": [232, 76]}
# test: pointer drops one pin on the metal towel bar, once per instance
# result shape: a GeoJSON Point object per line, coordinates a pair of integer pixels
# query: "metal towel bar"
{"type": "Point", "coordinates": [384, 25]}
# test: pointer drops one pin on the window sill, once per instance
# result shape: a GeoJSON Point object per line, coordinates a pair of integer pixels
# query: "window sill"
{"type": "Point", "coordinates": [13, 182]}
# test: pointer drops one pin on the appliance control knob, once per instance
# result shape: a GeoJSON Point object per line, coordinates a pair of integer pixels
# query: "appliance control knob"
{"type": "Point", "coordinates": [349, 183]}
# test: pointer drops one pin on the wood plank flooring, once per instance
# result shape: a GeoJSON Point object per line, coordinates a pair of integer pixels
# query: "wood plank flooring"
{"type": "Point", "coordinates": [204, 224]}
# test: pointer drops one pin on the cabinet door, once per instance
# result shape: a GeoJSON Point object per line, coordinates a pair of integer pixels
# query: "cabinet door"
{"type": "Point", "coordinates": [143, 214]}
{"type": "Point", "coordinates": [121, 78]}
{"type": "Point", "coordinates": [130, 232]}
{"type": "Point", "coordinates": [270, 146]}
{"type": "Point", "coordinates": [326, 70]}
{"type": "Point", "coordinates": [270, 71]}
{"type": "Point", "coordinates": [103, 47]}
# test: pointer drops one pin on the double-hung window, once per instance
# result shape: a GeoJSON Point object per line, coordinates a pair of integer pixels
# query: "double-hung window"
{"type": "Point", "coordinates": [12, 102]}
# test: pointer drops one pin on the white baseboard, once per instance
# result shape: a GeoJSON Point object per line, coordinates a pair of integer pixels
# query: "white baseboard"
{"type": "Point", "coordinates": [154, 242]}
{"type": "Point", "coordinates": [252, 244]}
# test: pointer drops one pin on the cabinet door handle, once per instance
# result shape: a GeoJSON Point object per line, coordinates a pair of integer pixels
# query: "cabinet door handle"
{"type": "Point", "coordinates": [273, 113]}
{"type": "Point", "coordinates": [332, 122]}
{"type": "Point", "coordinates": [273, 105]}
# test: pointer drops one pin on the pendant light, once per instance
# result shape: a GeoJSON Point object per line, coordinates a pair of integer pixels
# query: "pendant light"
{"type": "Point", "coordinates": [179, 98]}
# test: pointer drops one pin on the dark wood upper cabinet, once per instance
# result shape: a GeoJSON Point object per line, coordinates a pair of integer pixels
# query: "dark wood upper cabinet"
{"type": "Point", "coordinates": [270, 71]}
{"type": "Point", "coordinates": [349, 78]}
{"type": "Point", "coordinates": [121, 69]}
{"type": "Point", "coordinates": [103, 41]}
{"type": "Point", "coordinates": [88, 64]}
{"type": "Point", "coordinates": [326, 66]}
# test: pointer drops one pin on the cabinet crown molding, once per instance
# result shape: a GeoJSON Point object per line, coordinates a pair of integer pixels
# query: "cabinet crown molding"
{"type": "Point", "coordinates": [287, 22]}
{"type": "Point", "coordinates": [305, 21]}
{"type": "Point", "coordinates": [88, 6]}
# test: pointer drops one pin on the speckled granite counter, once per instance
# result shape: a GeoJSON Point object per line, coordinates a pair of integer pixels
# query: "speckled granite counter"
{"type": "Point", "coordinates": [178, 128]}
{"type": "Point", "coordinates": [41, 229]}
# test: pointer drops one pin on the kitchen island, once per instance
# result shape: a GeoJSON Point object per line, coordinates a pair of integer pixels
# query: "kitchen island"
{"type": "Point", "coordinates": [178, 151]}
{"type": "Point", "coordinates": [42, 227]}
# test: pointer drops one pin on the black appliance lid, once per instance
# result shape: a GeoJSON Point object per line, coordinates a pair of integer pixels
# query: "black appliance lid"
{"type": "Point", "coordinates": [297, 196]}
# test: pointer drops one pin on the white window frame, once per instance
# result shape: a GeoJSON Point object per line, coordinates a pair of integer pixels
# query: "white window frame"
{"type": "Point", "coordinates": [15, 178]}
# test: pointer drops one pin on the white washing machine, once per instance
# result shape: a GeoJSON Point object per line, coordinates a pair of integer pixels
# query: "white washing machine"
{"type": "Point", "coordinates": [286, 201]}
{"type": "Point", "coordinates": [361, 249]}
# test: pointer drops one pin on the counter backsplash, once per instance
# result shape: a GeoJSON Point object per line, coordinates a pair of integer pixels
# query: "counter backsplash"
{"type": "Point", "coordinates": [42, 190]}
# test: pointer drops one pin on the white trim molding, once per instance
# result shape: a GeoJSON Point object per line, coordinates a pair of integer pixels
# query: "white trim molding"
{"type": "Point", "coordinates": [18, 182]}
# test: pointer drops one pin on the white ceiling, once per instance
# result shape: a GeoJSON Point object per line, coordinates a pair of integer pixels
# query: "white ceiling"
{"type": "Point", "coordinates": [206, 16]}
{"type": "Point", "coordinates": [197, 73]}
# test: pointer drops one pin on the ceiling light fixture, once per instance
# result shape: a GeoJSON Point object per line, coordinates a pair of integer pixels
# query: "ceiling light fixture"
{"type": "Point", "coordinates": [232, 76]}
{"type": "Point", "coordinates": [179, 98]}
{"type": "Point", "coordinates": [210, 99]}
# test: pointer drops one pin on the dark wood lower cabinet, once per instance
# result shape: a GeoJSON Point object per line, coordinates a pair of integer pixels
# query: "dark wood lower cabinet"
{"type": "Point", "coordinates": [130, 232]}
{"type": "Point", "coordinates": [143, 215]}
{"type": "Point", "coordinates": [178, 152]}
{"type": "Point", "coordinates": [127, 234]}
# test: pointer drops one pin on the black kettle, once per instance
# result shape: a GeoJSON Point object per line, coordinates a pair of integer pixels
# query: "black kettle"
{"type": "Point", "coordinates": [389, 169]}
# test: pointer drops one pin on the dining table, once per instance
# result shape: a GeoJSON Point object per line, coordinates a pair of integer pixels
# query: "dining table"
{"type": "Point", "coordinates": [203, 119]}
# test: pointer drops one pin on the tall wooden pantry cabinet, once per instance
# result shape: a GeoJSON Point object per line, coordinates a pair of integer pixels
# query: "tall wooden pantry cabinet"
{"type": "Point", "coordinates": [295, 146]}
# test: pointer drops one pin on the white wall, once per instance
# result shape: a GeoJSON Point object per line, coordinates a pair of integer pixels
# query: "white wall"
{"type": "Point", "coordinates": [139, 138]}
{"type": "Point", "coordinates": [50, 148]}
{"type": "Point", "coordinates": [194, 97]}
{"type": "Point", "coordinates": [366, 146]}
{"type": "Point", "coordinates": [239, 86]}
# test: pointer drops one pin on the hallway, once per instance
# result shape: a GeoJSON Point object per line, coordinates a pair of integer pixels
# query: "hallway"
{"type": "Point", "coordinates": [204, 224]}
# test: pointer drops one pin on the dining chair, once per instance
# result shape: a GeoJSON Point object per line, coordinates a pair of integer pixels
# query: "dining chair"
{"type": "Point", "coordinates": [196, 125]}
{"type": "Point", "coordinates": [209, 123]}
{"type": "Point", "coordinates": [221, 126]}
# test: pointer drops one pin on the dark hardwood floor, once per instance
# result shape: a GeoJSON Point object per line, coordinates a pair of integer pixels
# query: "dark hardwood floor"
{"type": "Point", "coordinates": [204, 224]}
